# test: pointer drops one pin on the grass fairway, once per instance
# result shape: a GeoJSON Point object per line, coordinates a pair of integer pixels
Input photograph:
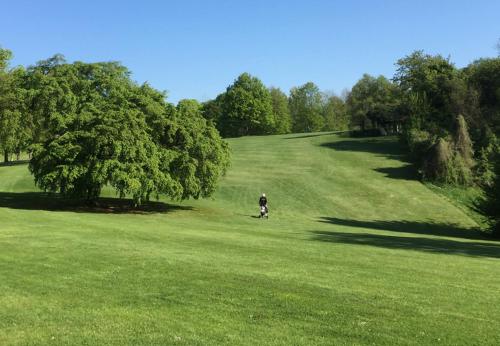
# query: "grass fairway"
{"type": "Point", "coordinates": [355, 251]}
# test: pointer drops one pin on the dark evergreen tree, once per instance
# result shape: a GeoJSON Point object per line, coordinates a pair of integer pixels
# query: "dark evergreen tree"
{"type": "Point", "coordinates": [491, 205]}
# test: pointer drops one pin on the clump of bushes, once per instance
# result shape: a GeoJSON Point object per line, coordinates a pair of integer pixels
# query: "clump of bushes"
{"type": "Point", "coordinates": [445, 159]}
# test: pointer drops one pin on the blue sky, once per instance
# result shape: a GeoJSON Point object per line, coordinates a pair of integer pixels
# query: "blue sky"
{"type": "Point", "coordinates": [195, 49]}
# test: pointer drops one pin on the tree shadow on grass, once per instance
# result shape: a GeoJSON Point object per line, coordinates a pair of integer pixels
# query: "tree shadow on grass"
{"type": "Point", "coordinates": [383, 146]}
{"type": "Point", "coordinates": [14, 163]}
{"type": "Point", "coordinates": [415, 227]}
{"type": "Point", "coordinates": [433, 245]}
{"type": "Point", "coordinates": [314, 135]}
{"type": "Point", "coordinates": [55, 202]}
{"type": "Point", "coordinates": [405, 172]}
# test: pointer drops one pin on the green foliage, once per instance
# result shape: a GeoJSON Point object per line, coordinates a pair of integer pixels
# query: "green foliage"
{"type": "Point", "coordinates": [14, 136]}
{"type": "Point", "coordinates": [282, 117]}
{"type": "Point", "coordinates": [462, 141]}
{"type": "Point", "coordinates": [5, 56]}
{"type": "Point", "coordinates": [202, 157]}
{"type": "Point", "coordinates": [306, 108]}
{"type": "Point", "coordinates": [485, 161]}
{"type": "Point", "coordinates": [430, 87]}
{"type": "Point", "coordinates": [94, 137]}
{"type": "Point", "coordinates": [483, 76]}
{"type": "Point", "coordinates": [246, 108]}
{"type": "Point", "coordinates": [449, 161]}
{"type": "Point", "coordinates": [438, 162]}
{"type": "Point", "coordinates": [373, 103]}
{"type": "Point", "coordinates": [211, 110]}
{"type": "Point", "coordinates": [335, 114]}
{"type": "Point", "coordinates": [418, 142]}
{"type": "Point", "coordinates": [491, 204]}
{"type": "Point", "coordinates": [100, 128]}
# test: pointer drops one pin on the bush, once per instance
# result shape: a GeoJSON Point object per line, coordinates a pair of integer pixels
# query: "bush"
{"type": "Point", "coordinates": [485, 170]}
{"type": "Point", "coordinates": [418, 142]}
{"type": "Point", "coordinates": [437, 164]}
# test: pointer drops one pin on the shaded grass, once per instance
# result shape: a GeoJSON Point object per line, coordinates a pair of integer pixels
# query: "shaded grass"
{"type": "Point", "coordinates": [414, 227]}
{"type": "Point", "coordinates": [55, 202]}
{"type": "Point", "coordinates": [441, 246]}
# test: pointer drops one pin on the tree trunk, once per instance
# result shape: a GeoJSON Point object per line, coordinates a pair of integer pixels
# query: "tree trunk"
{"type": "Point", "coordinates": [5, 156]}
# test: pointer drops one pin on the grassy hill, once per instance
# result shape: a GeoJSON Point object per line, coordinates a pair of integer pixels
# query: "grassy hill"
{"type": "Point", "coordinates": [356, 251]}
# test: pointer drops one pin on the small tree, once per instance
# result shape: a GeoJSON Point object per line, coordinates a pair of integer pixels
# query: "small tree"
{"type": "Point", "coordinates": [463, 161]}
{"type": "Point", "coordinates": [450, 162]}
{"type": "Point", "coordinates": [491, 205]}
{"type": "Point", "coordinates": [437, 162]}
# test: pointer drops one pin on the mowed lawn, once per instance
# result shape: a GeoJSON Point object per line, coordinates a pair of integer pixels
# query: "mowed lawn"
{"type": "Point", "coordinates": [356, 251]}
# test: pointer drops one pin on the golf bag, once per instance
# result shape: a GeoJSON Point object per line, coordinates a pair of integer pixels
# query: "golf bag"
{"type": "Point", "coordinates": [264, 212]}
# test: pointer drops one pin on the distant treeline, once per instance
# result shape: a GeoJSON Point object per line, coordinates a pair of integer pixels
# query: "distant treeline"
{"type": "Point", "coordinates": [247, 107]}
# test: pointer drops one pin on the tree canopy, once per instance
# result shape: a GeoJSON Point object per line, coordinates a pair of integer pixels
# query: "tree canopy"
{"type": "Point", "coordinates": [306, 108]}
{"type": "Point", "coordinates": [14, 134]}
{"type": "Point", "coordinates": [282, 118]}
{"type": "Point", "coordinates": [431, 87]}
{"type": "Point", "coordinates": [336, 114]}
{"type": "Point", "coordinates": [373, 101]}
{"type": "Point", "coordinates": [100, 128]}
{"type": "Point", "coordinates": [246, 108]}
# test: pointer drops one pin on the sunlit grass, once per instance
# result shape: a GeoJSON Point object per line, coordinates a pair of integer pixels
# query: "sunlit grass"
{"type": "Point", "coordinates": [356, 251]}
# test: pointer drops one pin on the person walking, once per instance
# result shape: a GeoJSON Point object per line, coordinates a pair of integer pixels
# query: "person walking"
{"type": "Point", "coordinates": [263, 205]}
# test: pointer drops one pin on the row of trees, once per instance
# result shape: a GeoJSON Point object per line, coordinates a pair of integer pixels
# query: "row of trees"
{"type": "Point", "coordinates": [89, 125]}
{"type": "Point", "coordinates": [248, 107]}
{"type": "Point", "coordinates": [448, 118]}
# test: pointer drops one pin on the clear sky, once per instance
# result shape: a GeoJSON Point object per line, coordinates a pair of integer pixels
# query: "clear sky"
{"type": "Point", "coordinates": [195, 49]}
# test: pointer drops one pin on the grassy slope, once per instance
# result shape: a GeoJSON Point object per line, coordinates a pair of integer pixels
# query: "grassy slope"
{"type": "Point", "coordinates": [355, 252]}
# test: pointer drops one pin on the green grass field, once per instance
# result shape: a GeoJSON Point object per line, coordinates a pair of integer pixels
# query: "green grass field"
{"type": "Point", "coordinates": [356, 251]}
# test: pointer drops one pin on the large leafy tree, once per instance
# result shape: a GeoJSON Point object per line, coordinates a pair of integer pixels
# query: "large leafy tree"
{"type": "Point", "coordinates": [483, 76]}
{"type": "Point", "coordinates": [283, 122]}
{"type": "Point", "coordinates": [101, 129]}
{"type": "Point", "coordinates": [432, 90]}
{"type": "Point", "coordinates": [373, 102]}
{"type": "Point", "coordinates": [306, 108]}
{"type": "Point", "coordinates": [245, 108]}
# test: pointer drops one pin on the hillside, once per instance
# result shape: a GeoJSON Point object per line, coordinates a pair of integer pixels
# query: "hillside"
{"type": "Point", "coordinates": [356, 251]}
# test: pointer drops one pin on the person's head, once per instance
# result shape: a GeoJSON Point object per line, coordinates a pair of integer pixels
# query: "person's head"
{"type": "Point", "coordinates": [263, 195]}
